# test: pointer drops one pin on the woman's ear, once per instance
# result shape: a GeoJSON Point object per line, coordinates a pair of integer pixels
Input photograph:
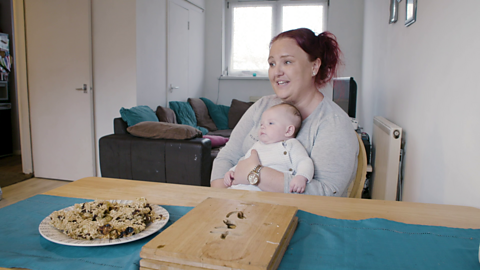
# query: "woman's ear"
{"type": "Point", "coordinates": [290, 131]}
{"type": "Point", "coordinates": [316, 66]}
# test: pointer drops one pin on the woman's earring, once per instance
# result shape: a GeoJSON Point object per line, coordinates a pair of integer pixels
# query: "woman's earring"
{"type": "Point", "coordinates": [313, 73]}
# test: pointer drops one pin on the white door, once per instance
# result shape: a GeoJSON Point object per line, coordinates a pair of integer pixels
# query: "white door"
{"type": "Point", "coordinates": [177, 52]}
{"type": "Point", "coordinates": [58, 37]}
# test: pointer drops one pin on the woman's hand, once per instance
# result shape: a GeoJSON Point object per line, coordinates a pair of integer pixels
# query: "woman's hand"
{"type": "Point", "coordinates": [244, 167]}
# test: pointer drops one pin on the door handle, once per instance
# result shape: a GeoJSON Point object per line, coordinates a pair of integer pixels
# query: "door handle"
{"type": "Point", "coordinates": [173, 87]}
{"type": "Point", "coordinates": [84, 88]}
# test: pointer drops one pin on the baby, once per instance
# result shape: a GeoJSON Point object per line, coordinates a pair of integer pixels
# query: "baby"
{"type": "Point", "coordinates": [278, 148]}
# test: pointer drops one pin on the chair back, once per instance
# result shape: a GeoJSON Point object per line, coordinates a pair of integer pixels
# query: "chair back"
{"type": "Point", "coordinates": [356, 187]}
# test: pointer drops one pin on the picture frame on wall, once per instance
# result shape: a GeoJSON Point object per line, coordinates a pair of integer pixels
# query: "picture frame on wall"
{"type": "Point", "coordinates": [410, 12]}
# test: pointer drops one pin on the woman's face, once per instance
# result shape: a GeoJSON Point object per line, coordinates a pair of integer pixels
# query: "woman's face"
{"type": "Point", "coordinates": [291, 72]}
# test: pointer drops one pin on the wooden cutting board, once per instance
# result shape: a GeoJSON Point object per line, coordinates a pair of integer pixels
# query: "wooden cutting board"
{"type": "Point", "coordinates": [147, 264]}
{"type": "Point", "coordinates": [224, 234]}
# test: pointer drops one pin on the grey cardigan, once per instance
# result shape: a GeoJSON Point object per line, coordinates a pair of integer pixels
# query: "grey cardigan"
{"type": "Point", "coordinates": [327, 135]}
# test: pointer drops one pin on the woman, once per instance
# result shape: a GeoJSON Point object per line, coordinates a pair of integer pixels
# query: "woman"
{"type": "Point", "coordinates": [301, 63]}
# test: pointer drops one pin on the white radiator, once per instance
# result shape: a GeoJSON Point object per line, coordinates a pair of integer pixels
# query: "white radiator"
{"type": "Point", "coordinates": [386, 157]}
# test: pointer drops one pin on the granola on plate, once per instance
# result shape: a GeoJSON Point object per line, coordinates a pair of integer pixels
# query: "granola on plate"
{"type": "Point", "coordinates": [104, 219]}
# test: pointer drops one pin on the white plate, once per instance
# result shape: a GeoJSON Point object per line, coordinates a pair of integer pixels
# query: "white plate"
{"type": "Point", "coordinates": [52, 234]}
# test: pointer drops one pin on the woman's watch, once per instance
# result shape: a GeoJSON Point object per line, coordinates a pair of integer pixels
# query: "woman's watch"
{"type": "Point", "coordinates": [254, 176]}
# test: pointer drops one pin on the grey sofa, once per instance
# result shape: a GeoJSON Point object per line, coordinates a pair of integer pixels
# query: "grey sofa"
{"type": "Point", "coordinates": [188, 161]}
{"type": "Point", "coordinates": [161, 160]}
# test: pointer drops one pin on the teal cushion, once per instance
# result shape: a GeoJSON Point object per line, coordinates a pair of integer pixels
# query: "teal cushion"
{"type": "Point", "coordinates": [138, 114]}
{"type": "Point", "coordinates": [218, 113]}
{"type": "Point", "coordinates": [185, 115]}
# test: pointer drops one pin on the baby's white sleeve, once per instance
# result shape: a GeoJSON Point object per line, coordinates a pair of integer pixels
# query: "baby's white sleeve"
{"type": "Point", "coordinates": [302, 163]}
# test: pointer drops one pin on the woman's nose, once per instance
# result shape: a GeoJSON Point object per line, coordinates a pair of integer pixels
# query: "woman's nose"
{"type": "Point", "coordinates": [278, 70]}
{"type": "Point", "coordinates": [275, 71]}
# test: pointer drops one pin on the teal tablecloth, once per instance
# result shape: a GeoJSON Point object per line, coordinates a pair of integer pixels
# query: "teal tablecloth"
{"type": "Point", "coordinates": [318, 243]}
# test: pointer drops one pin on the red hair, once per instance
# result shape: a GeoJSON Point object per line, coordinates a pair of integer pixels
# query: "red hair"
{"type": "Point", "coordinates": [323, 46]}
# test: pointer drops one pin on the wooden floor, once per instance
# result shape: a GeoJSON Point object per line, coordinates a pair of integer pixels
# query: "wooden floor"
{"type": "Point", "coordinates": [11, 170]}
{"type": "Point", "coordinates": [11, 163]}
{"type": "Point", "coordinates": [27, 189]}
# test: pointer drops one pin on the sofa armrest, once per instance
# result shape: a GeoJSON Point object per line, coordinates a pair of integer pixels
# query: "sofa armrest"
{"type": "Point", "coordinates": [170, 161]}
{"type": "Point", "coordinates": [188, 161]}
{"type": "Point", "coordinates": [119, 126]}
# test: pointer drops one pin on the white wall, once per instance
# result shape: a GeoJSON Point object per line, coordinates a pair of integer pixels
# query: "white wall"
{"type": "Point", "coordinates": [345, 17]}
{"type": "Point", "coordinates": [114, 61]}
{"type": "Point", "coordinates": [196, 67]}
{"type": "Point", "coordinates": [345, 21]}
{"type": "Point", "coordinates": [213, 47]}
{"type": "Point", "coordinates": [151, 52]}
{"type": "Point", "coordinates": [424, 78]}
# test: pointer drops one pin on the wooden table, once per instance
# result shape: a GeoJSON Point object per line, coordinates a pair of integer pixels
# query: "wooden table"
{"type": "Point", "coordinates": [343, 208]}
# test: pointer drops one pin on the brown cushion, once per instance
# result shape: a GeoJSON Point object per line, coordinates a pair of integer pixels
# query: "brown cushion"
{"type": "Point", "coordinates": [237, 109]}
{"type": "Point", "coordinates": [162, 130]}
{"type": "Point", "coordinates": [166, 115]}
{"type": "Point", "coordinates": [201, 113]}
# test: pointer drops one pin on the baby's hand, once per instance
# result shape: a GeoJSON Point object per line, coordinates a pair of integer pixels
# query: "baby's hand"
{"type": "Point", "coordinates": [298, 184]}
{"type": "Point", "coordinates": [228, 178]}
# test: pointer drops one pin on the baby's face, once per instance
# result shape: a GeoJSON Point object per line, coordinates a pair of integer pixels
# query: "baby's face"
{"type": "Point", "coordinates": [274, 125]}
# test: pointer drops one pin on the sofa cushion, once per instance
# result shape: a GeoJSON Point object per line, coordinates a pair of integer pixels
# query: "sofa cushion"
{"type": "Point", "coordinates": [185, 115]}
{"type": "Point", "coordinates": [201, 113]}
{"type": "Point", "coordinates": [166, 115]}
{"type": "Point", "coordinates": [216, 140]}
{"type": "Point", "coordinates": [237, 109]}
{"type": "Point", "coordinates": [162, 130]}
{"type": "Point", "coordinates": [138, 114]}
{"type": "Point", "coordinates": [219, 113]}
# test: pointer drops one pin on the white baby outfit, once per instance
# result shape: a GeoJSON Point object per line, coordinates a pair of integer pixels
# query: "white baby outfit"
{"type": "Point", "coordinates": [286, 156]}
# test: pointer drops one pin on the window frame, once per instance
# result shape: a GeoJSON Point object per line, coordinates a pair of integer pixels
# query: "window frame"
{"type": "Point", "coordinates": [277, 19]}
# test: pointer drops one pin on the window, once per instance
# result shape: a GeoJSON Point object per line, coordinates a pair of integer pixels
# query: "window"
{"type": "Point", "coordinates": [250, 26]}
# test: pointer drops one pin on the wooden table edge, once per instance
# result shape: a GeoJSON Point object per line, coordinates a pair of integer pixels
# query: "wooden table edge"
{"type": "Point", "coordinates": [333, 207]}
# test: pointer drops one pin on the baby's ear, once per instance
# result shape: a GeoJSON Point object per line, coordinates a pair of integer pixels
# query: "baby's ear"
{"type": "Point", "coordinates": [290, 131]}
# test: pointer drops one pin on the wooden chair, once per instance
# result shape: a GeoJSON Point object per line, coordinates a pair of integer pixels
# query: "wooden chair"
{"type": "Point", "coordinates": [356, 187]}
